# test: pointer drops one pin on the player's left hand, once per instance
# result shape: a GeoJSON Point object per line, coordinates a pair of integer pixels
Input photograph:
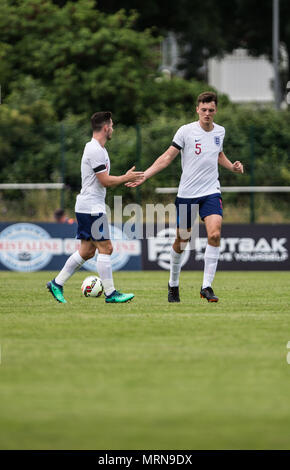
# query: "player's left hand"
{"type": "Point", "coordinates": [134, 184]}
{"type": "Point", "coordinates": [238, 167]}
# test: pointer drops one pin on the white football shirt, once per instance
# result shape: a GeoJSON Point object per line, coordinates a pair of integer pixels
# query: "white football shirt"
{"type": "Point", "coordinates": [95, 159]}
{"type": "Point", "coordinates": [199, 159]}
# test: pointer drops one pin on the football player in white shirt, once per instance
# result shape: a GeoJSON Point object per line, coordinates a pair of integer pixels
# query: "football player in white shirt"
{"type": "Point", "coordinates": [201, 146]}
{"type": "Point", "coordinates": [93, 229]}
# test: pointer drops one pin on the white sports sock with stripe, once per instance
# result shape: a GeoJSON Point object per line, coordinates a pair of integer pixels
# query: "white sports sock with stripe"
{"type": "Point", "coordinates": [175, 267]}
{"type": "Point", "coordinates": [73, 264]}
{"type": "Point", "coordinates": [104, 268]}
{"type": "Point", "coordinates": [211, 257]}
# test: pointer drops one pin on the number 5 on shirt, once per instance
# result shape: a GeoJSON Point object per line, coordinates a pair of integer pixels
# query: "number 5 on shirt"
{"type": "Point", "coordinates": [198, 148]}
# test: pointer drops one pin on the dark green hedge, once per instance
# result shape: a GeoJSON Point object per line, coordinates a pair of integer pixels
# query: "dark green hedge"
{"type": "Point", "coordinates": [31, 144]}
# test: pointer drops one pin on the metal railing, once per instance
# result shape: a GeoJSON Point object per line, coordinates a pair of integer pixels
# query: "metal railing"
{"type": "Point", "coordinates": [32, 186]}
{"type": "Point", "coordinates": [236, 189]}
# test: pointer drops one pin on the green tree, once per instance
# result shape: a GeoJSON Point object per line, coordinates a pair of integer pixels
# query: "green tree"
{"type": "Point", "coordinates": [28, 141]}
{"type": "Point", "coordinates": [253, 25]}
{"type": "Point", "coordinates": [86, 59]}
{"type": "Point", "coordinates": [209, 27]}
{"type": "Point", "coordinates": [201, 26]}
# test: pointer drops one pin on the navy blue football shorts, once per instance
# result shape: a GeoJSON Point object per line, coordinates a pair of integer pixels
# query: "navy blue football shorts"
{"type": "Point", "coordinates": [92, 227]}
{"type": "Point", "coordinates": [186, 208]}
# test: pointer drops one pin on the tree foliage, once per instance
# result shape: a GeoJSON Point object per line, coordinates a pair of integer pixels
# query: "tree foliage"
{"type": "Point", "coordinates": [85, 59]}
{"type": "Point", "coordinates": [61, 61]}
{"type": "Point", "coordinates": [206, 28]}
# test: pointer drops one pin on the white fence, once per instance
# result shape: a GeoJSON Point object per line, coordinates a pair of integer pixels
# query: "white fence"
{"type": "Point", "coordinates": [236, 189]}
{"type": "Point", "coordinates": [32, 186]}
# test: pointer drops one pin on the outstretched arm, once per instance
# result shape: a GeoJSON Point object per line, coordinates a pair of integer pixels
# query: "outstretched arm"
{"type": "Point", "coordinates": [160, 163]}
{"type": "Point", "coordinates": [109, 180]}
{"type": "Point", "coordinates": [237, 166]}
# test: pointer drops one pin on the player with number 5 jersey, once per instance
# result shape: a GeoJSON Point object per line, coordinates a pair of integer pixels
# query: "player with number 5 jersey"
{"type": "Point", "coordinates": [201, 146]}
{"type": "Point", "coordinates": [199, 159]}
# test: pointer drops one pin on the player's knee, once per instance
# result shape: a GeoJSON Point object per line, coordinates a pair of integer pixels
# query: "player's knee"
{"type": "Point", "coordinates": [109, 249]}
{"type": "Point", "coordinates": [90, 253]}
{"type": "Point", "coordinates": [105, 247]}
{"type": "Point", "coordinates": [214, 238]}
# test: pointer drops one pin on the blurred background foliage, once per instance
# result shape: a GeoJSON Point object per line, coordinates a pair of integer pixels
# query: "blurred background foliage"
{"type": "Point", "coordinates": [61, 61]}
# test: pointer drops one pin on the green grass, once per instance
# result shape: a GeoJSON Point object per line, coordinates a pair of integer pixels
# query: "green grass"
{"type": "Point", "coordinates": [146, 375]}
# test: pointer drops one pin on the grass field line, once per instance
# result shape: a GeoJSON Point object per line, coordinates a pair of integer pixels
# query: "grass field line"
{"type": "Point", "coordinates": [158, 317]}
{"type": "Point", "coordinates": [177, 315]}
{"type": "Point", "coordinates": [192, 315]}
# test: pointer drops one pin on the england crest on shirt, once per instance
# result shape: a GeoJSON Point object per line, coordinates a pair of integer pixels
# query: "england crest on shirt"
{"type": "Point", "coordinates": [217, 140]}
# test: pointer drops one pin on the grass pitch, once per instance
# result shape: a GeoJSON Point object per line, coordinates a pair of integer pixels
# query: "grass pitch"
{"type": "Point", "coordinates": [148, 374]}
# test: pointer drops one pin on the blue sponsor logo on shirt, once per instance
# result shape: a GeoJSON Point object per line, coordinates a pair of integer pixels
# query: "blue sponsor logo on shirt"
{"type": "Point", "coordinates": [217, 140]}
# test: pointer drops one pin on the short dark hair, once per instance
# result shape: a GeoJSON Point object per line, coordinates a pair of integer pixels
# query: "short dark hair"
{"type": "Point", "coordinates": [207, 97]}
{"type": "Point", "coordinates": [99, 119]}
{"type": "Point", "coordinates": [58, 214]}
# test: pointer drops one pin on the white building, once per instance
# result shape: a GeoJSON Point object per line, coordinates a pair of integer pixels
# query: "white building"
{"type": "Point", "coordinates": [242, 77]}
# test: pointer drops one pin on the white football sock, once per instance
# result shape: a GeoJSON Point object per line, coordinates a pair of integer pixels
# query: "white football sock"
{"type": "Point", "coordinates": [211, 257]}
{"type": "Point", "coordinates": [104, 268]}
{"type": "Point", "coordinates": [175, 266]}
{"type": "Point", "coordinates": [73, 263]}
